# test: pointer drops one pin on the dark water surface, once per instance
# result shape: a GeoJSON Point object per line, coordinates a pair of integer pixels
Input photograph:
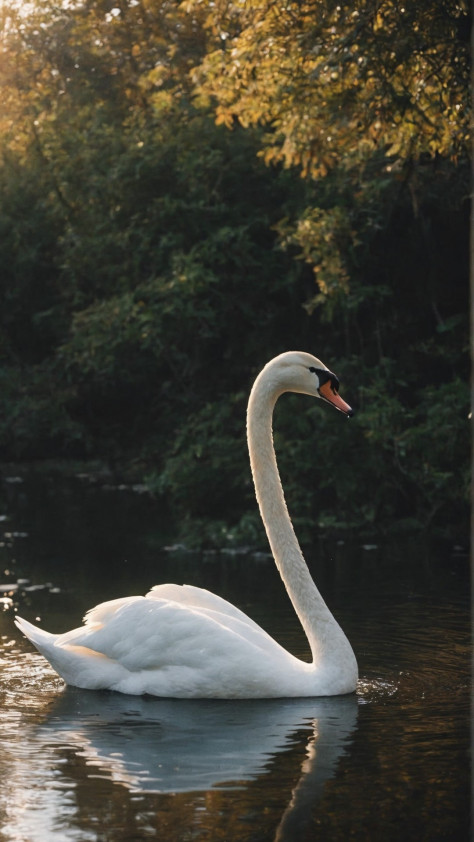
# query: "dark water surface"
{"type": "Point", "coordinates": [388, 763]}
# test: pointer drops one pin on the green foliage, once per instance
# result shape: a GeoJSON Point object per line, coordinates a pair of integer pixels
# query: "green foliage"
{"type": "Point", "coordinates": [35, 417]}
{"type": "Point", "coordinates": [207, 453]}
{"type": "Point", "coordinates": [153, 260]}
{"type": "Point", "coordinates": [336, 85]}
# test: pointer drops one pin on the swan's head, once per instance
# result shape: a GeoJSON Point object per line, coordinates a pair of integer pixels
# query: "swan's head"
{"type": "Point", "coordinates": [296, 371]}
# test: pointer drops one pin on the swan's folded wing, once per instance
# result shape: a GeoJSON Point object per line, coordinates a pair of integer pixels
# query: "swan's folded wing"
{"type": "Point", "coordinates": [102, 613]}
{"type": "Point", "coordinates": [144, 634]}
{"type": "Point", "coordinates": [200, 598]}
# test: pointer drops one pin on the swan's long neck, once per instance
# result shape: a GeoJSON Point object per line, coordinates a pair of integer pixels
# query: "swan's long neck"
{"type": "Point", "coordinates": [321, 628]}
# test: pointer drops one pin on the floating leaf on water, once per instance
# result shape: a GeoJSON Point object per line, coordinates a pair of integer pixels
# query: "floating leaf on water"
{"type": "Point", "coordinates": [5, 603]}
{"type": "Point", "coordinates": [15, 534]}
{"type": "Point", "coordinates": [174, 548]}
{"type": "Point", "coordinates": [140, 488]}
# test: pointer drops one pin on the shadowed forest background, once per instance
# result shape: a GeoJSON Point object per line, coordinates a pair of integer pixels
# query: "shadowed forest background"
{"type": "Point", "coordinates": [187, 189]}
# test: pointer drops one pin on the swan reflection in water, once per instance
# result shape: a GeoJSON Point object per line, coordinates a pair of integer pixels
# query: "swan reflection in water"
{"type": "Point", "coordinates": [176, 745]}
{"type": "Point", "coordinates": [152, 745]}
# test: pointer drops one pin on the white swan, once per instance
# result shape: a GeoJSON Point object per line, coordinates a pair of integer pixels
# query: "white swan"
{"type": "Point", "coordinates": [184, 642]}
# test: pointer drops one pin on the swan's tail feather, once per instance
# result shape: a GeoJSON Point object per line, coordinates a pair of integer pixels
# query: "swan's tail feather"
{"type": "Point", "coordinates": [43, 640]}
{"type": "Point", "coordinates": [77, 665]}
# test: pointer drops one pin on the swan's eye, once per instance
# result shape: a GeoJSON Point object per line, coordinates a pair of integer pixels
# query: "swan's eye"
{"type": "Point", "coordinates": [334, 384]}
{"type": "Point", "coordinates": [323, 376]}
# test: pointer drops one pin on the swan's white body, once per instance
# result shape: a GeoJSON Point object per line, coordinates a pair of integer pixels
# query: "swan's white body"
{"type": "Point", "coordinates": [184, 642]}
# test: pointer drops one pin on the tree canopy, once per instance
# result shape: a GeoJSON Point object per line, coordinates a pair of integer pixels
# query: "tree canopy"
{"type": "Point", "coordinates": [335, 85]}
{"type": "Point", "coordinates": [187, 189]}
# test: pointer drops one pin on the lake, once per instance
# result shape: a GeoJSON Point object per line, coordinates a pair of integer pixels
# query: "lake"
{"type": "Point", "coordinates": [390, 762]}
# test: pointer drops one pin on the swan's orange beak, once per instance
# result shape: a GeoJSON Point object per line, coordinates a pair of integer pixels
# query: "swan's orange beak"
{"type": "Point", "coordinates": [326, 392]}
